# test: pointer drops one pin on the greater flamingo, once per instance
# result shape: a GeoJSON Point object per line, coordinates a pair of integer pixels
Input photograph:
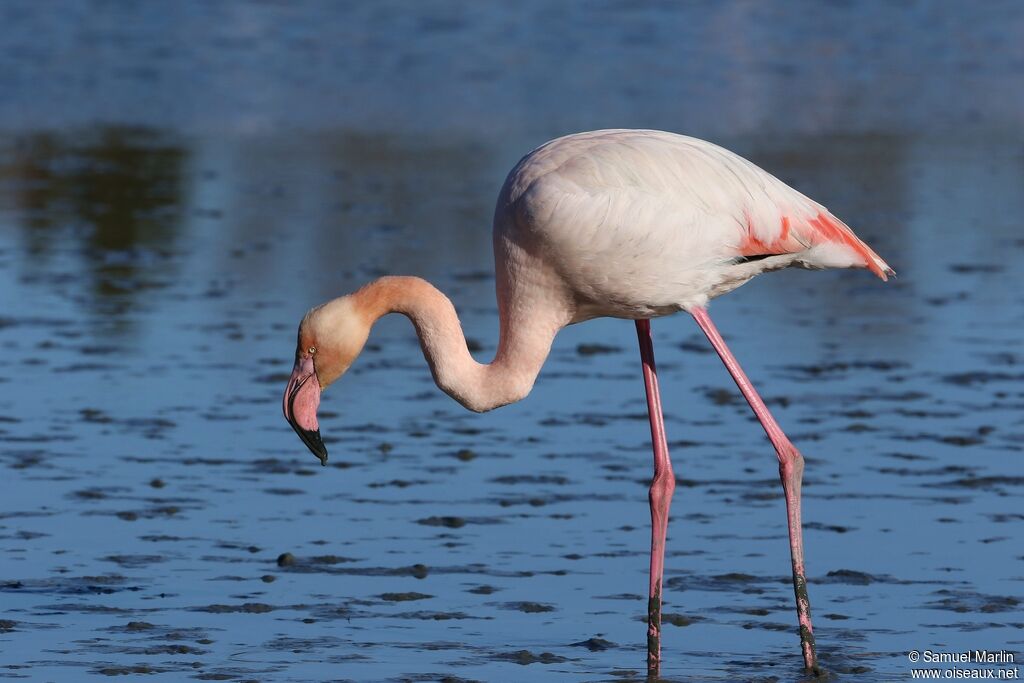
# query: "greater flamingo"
{"type": "Point", "coordinates": [630, 224]}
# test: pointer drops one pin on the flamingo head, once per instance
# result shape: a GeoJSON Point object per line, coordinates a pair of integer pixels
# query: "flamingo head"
{"type": "Point", "coordinates": [330, 338]}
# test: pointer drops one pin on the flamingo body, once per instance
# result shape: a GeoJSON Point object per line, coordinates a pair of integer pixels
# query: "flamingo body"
{"type": "Point", "coordinates": [629, 224]}
{"type": "Point", "coordinates": [642, 223]}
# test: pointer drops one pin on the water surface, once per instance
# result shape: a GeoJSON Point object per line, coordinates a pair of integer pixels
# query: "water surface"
{"type": "Point", "coordinates": [178, 187]}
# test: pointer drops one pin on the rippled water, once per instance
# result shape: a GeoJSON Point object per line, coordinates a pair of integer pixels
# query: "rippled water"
{"type": "Point", "coordinates": [178, 186]}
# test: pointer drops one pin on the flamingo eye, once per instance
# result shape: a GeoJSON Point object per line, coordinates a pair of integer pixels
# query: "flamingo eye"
{"type": "Point", "coordinates": [312, 350]}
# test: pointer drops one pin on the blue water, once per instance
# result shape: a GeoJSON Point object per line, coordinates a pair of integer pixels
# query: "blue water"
{"type": "Point", "coordinates": [179, 183]}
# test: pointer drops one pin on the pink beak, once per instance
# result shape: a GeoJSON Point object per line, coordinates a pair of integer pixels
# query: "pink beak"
{"type": "Point", "coordinates": [301, 399]}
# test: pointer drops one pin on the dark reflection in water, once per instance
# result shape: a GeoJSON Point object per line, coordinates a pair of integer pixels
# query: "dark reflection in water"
{"type": "Point", "coordinates": [336, 194]}
{"type": "Point", "coordinates": [111, 196]}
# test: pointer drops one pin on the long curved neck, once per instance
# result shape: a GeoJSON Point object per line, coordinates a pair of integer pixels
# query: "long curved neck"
{"type": "Point", "coordinates": [522, 350]}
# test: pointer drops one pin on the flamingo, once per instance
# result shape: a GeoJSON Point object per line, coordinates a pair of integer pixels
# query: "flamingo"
{"type": "Point", "coordinates": [632, 224]}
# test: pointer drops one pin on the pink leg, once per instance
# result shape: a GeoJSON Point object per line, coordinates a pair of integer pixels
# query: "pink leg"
{"type": "Point", "coordinates": [791, 470]}
{"type": "Point", "coordinates": [660, 494]}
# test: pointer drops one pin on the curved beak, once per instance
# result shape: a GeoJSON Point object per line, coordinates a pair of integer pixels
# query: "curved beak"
{"type": "Point", "coordinates": [301, 400]}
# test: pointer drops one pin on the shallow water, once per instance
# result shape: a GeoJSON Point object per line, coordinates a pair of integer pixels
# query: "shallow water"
{"type": "Point", "coordinates": [163, 225]}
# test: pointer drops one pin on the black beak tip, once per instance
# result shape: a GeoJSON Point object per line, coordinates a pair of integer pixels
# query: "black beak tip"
{"type": "Point", "coordinates": [313, 442]}
{"type": "Point", "coordinates": [316, 444]}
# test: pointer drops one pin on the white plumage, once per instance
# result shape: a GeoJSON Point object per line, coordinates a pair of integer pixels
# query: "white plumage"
{"type": "Point", "coordinates": [636, 223]}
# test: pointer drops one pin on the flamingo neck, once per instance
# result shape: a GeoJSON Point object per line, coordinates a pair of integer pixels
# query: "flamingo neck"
{"type": "Point", "coordinates": [522, 348]}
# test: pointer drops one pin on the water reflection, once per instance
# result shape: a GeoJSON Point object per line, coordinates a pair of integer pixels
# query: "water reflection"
{"type": "Point", "coordinates": [111, 198]}
{"type": "Point", "coordinates": [340, 207]}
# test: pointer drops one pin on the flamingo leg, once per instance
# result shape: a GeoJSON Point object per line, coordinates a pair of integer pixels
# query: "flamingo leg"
{"type": "Point", "coordinates": [660, 495]}
{"type": "Point", "coordinates": [791, 469]}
